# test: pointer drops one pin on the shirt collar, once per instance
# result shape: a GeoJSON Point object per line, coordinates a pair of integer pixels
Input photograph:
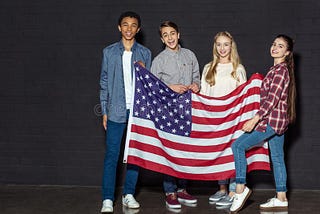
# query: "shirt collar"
{"type": "Point", "coordinates": [281, 64]}
{"type": "Point", "coordinates": [121, 47]}
{"type": "Point", "coordinates": [171, 52]}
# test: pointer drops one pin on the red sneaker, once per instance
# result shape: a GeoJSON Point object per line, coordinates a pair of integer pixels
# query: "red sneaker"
{"type": "Point", "coordinates": [172, 201]}
{"type": "Point", "coordinates": [184, 197]}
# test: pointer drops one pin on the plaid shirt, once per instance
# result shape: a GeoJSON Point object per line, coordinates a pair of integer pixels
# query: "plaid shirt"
{"type": "Point", "coordinates": [273, 100]}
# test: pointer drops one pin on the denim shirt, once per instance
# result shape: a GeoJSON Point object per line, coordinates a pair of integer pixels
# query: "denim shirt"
{"type": "Point", "coordinates": [112, 92]}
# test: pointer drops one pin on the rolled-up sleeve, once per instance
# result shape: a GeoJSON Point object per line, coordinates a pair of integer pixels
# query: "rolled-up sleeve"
{"type": "Point", "coordinates": [274, 94]}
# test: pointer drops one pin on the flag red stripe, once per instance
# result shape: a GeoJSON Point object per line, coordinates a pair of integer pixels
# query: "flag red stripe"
{"type": "Point", "coordinates": [192, 162]}
{"type": "Point", "coordinates": [180, 161]}
{"type": "Point", "coordinates": [215, 108]}
{"type": "Point", "coordinates": [228, 118]}
{"type": "Point", "coordinates": [216, 134]}
{"type": "Point", "coordinates": [188, 148]}
{"type": "Point", "coordinates": [176, 145]}
{"type": "Point", "coordinates": [190, 156]}
{"type": "Point", "coordinates": [209, 176]}
{"type": "Point", "coordinates": [169, 171]}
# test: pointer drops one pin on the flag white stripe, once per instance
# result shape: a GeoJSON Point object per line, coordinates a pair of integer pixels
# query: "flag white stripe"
{"type": "Point", "coordinates": [194, 169]}
{"type": "Point", "coordinates": [223, 126]}
{"type": "Point", "coordinates": [222, 114]}
{"type": "Point", "coordinates": [202, 155]}
{"type": "Point", "coordinates": [221, 102]}
{"type": "Point", "coordinates": [147, 140]}
{"type": "Point", "coordinates": [190, 141]}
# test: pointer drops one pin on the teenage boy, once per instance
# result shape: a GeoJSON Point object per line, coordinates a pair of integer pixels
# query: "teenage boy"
{"type": "Point", "coordinates": [115, 97]}
{"type": "Point", "coordinates": [178, 68]}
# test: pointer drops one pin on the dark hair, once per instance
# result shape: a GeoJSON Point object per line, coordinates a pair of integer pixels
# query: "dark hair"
{"type": "Point", "coordinates": [168, 24]}
{"type": "Point", "coordinates": [131, 15]}
{"type": "Point", "coordinates": [292, 85]}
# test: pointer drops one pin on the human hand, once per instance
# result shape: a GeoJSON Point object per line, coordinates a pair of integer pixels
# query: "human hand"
{"type": "Point", "coordinates": [194, 87]}
{"type": "Point", "coordinates": [141, 63]}
{"type": "Point", "coordinates": [104, 121]}
{"type": "Point", "coordinates": [179, 88]}
{"type": "Point", "coordinates": [250, 124]}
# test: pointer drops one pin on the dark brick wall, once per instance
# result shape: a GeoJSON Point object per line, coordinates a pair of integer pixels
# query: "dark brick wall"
{"type": "Point", "coordinates": [50, 56]}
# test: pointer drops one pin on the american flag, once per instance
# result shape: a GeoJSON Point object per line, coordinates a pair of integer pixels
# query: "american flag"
{"type": "Point", "coordinates": [189, 135]}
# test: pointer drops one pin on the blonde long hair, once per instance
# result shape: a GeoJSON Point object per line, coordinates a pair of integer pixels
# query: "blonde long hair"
{"type": "Point", "coordinates": [234, 58]}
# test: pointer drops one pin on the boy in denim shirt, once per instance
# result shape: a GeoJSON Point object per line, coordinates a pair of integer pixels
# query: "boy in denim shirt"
{"type": "Point", "coordinates": [115, 98]}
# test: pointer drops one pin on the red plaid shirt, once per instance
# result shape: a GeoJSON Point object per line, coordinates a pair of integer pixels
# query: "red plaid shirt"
{"type": "Point", "coordinates": [273, 99]}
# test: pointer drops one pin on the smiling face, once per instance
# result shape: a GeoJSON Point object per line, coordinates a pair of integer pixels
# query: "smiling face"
{"type": "Point", "coordinates": [129, 28]}
{"type": "Point", "coordinates": [223, 48]}
{"type": "Point", "coordinates": [170, 37]}
{"type": "Point", "coordinates": [279, 50]}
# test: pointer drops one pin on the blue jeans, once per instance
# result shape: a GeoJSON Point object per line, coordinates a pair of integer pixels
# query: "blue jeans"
{"type": "Point", "coordinates": [231, 182]}
{"type": "Point", "coordinates": [114, 135]}
{"type": "Point", "coordinates": [248, 140]}
{"type": "Point", "coordinates": [170, 184]}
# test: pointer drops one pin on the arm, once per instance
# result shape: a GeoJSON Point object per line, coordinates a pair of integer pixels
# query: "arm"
{"type": "Point", "coordinates": [148, 60]}
{"type": "Point", "coordinates": [156, 68]}
{"type": "Point", "coordinates": [267, 105]}
{"type": "Point", "coordinates": [103, 90]}
{"type": "Point", "coordinates": [274, 93]}
{"type": "Point", "coordinates": [242, 76]}
{"type": "Point", "coordinates": [195, 86]}
{"type": "Point", "coordinates": [204, 85]}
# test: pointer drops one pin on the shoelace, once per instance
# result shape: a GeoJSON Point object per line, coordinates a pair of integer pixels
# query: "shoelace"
{"type": "Point", "coordinates": [173, 196]}
{"type": "Point", "coordinates": [235, 197]}
{"type": "Point", "coordinates": [184, 192]}
{"type": "Point", "coordinates": [129, 198]}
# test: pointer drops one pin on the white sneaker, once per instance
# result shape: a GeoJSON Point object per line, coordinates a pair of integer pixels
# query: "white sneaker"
{"type": "Point", "coordinates": [107, 206]}
{"type": "Point", "coordinates": [240, 199]}
{"type": "Point", "coordinates": [274, 204]}
{"type": "Point", "coordinates": [129, 201]}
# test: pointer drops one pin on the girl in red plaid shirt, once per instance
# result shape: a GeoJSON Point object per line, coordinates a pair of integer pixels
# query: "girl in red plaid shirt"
{"type": "Point", "coordinates": [277, 110]}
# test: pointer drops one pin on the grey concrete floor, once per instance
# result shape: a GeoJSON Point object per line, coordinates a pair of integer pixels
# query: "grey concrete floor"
{"type": "Point", "coordinates": [18, 199]}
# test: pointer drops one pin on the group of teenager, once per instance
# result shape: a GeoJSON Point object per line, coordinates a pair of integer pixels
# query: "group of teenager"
{"type": "Point", "coordinates": [178, 68]}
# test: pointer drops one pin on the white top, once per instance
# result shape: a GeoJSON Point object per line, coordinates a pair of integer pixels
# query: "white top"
{"type": "Point", "coordinates": [127, 76]}
{"type": "Point", "coordinates": [224, 82]}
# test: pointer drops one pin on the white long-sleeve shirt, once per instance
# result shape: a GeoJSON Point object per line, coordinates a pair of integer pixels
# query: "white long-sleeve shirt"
{"type": "Point", "coordinates": [224, 82]}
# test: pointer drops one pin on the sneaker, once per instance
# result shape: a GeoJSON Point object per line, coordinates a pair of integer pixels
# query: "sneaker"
{"type": "Point", "coordinates": [240, 199]}
{"type": "Point", "coordinates": [172, 201]}
{"type": "Point", "coordinates": [129, 201]}
{"type": "Point", "coordinates": [107, 206]}
{"type": "Point", "coordinates": [184, 197]}
{"type": "Point", "coordinates": [217, 196]}
{"type": "Point", "coordinates": [274, 204]}
{"type": "Point", "coordinates": [225, 201]}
